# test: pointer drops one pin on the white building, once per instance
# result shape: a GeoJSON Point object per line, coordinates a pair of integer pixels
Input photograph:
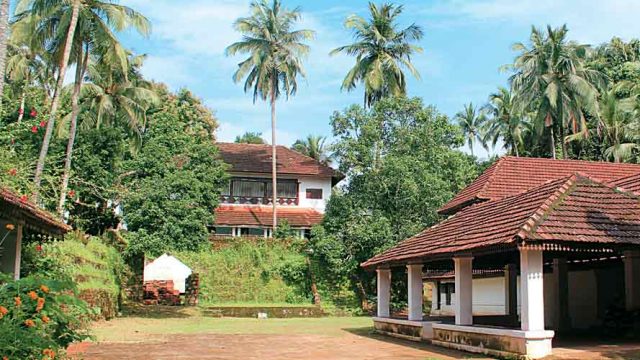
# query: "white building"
{"type": "Point", "coordinates": [304, 187]}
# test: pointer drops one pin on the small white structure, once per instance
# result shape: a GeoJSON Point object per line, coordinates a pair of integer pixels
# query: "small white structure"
{"type": "Point", "coordinates": [167, 267]}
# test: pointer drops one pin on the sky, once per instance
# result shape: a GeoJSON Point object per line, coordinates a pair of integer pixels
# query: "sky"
{"type": "Point", "coordinates": [465, 43]}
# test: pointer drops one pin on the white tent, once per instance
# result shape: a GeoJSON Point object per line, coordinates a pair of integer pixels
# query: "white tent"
{"type": "Point", "coordinates": [167, 267]}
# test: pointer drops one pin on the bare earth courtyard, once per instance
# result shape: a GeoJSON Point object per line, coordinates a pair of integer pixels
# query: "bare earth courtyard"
{"type": "Point", "coordinates": [184, 334]}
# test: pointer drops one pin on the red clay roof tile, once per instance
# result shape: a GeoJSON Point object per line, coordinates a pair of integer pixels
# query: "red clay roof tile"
{"type": "Point", "coordinates": [575, 208]}
{"type": "Point", "coordinates": [237, 215]}
{"type": "Point", "coordinates": [256, 158]}
{"type": "Point", "coordinates": [512, 175]}
{"type": "Point", "coordinates": [14, 206]}
{"type": "Point", "coordinates": [629, 183]}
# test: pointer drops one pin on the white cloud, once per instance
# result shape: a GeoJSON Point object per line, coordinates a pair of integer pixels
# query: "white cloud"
{"type": "Point", "coordinates": [590, 21]}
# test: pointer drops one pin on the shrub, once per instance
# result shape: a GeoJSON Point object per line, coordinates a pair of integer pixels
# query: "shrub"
{"type": "Point", "coordinates": [39, 317]}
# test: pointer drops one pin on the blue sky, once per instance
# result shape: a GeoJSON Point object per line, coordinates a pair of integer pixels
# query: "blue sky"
{"type": "Point", "coordinates": [465, 43]}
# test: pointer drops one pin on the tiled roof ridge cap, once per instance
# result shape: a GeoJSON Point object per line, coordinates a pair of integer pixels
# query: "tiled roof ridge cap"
{"type": "Point", "coordinates": [479, 194]}
{"type": "Point", "coordinates": [539, 214]}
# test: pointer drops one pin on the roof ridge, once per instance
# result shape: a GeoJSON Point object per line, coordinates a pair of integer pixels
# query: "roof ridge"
{"type": "Point", "coordinates": [540, 213]}
{"type": "Point", "coordinates": [490, 178]}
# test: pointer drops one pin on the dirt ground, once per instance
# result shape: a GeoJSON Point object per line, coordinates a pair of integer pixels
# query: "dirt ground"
{"type": "Point", "coordinates": [186, 334]}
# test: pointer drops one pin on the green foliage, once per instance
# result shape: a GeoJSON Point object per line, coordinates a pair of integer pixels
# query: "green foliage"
{"type": "Point", "coordinates": [39, 317]}
{"type": "Point", "coordinates": [250, 272]}
{"type": "Point", "coordinates": [284, 231]}
{"type": "Point", "coordinates": [250, 138]}
{"type": "Point", "coordinates": [97, 268]}
{"type": "Point", "coordinates": [174, 181]}
{"type": "Point", "coordinates": [402, 165]}
{"type": "Point", "coordinates": [314, 146]}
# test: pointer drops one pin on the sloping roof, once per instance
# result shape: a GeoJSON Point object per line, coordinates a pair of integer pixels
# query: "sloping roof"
{"type": "Point", "coordinates": [256, 158]}
{"type": "Point", "coordinates": [238, 215]}
{"type": "Point", "coordinates": [29, 214]}
{"type": "Point", "coordinates": [629, 183]}
{"type": "Point", "coordinates": [574, 209]}
{"type": "Point", "coordinates": [512, 175]}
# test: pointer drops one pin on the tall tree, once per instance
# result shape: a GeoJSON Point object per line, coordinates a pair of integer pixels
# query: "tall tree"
{"type": "Point", "coordinates": [24, 66]}
{"type": "Point", "coordinates": [382, 51]}
{"type": "Point", "coordinates": [314, 146]}
{"type": "Point", "coordinates": [275, 61]}
{"type": "Point", "coordinates": [250, 138]}
{"type": "Point", "coordinates": [552, 81]}
{"type": "Point", "coordinates": [472, 122]}
{"type": "Point", "coordinates": [505, 122]}
{"type": "Point", "coordinates": [4, 39]}
{"type": "Point", "coordinates": [94, 36]}
{"type": "Point", "coordinates": [43, 9]}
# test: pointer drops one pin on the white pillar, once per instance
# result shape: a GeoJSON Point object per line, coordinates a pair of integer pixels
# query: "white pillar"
{"type": "Point", "coordinates": [384, 291]}
{"type": "Point", "coordinates": [464, 288]}
{"type": "Point", "coordinates": [632, 279]}
{"type": "Point", "coordinates": [415, 292]}
{"type": "Point", "coordinates": [531, 290]}
{"type": "Point", "coordinates": [17, 263]}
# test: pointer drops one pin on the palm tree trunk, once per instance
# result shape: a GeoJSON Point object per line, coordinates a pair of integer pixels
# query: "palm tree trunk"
{"type": "Point", "coordinates": [75, 111]}
{"type": "Point", "coordinates": [4, 36]}
{"type": "Point", "coordinates": [56, 99]}
{"type": "Point", "coordinates": [314, 286]}
{"type": "Point", "coordinates": [22, 101]}
{"type": "Point", "coordinates": [274, 182]}
{"type": "Point", "coordinates": [565, 151]}
{"type": "Point", "coordinates": [553, 142]}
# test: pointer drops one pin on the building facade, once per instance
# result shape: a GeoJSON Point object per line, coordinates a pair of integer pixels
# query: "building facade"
{"type": "Point", "coordinates": [304, 188]}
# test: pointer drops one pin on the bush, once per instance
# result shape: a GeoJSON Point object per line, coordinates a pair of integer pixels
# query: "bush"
{"type": "Point", "coordinates": [261, 271]}
{"type": "Point", "coordinates": [39, 317]}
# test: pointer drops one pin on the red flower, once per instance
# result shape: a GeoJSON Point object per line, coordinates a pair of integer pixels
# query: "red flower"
{"type": "Point", "coordinates": [38, 247]}
{"type": "Point", "coordinates": [43, 123]}
{"type": "Point", "coordinates": [29, 323]}
{"type": "Point", "coordinates": [72, 193]}
{"type": "Point", "coordinates": [20, 111]}
{"type": "Point", "coordinates": [34, 129]}
{"type": "Point", "coordinates": [24, 198]}
{"type": "Point", "coordinates": [13, 171]}
{"type": "Point", "coordinates": [33, 113]}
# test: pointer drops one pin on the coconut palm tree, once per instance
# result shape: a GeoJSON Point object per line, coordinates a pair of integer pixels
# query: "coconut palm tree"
{"type": "Point", "coordinates": [552, 81]}
{"type": "Point", "coordinates": [505, 122]}
{"type": "Point", "coordinates": [250, 138]}
{"type": "Point", "coordinates": [94, 36]}
{"type": "Point", "coordinates": [382, 52]}
{"type": "Point", "coordinates": [618, 127]}
{"type": "Point", "coordinates": [24, 66]}
{"type": "Point", "coordinates": [274, 63]}
{"type": "Point", "coordinates": [472, 122]}
{"type": "Point", "coordinates": [315, 147]}
{"type": "Point", "coordinates": [4, 38]}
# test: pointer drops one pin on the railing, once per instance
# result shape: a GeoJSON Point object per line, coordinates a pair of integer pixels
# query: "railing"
{"type": "Point", "coordinates": [256, 200]}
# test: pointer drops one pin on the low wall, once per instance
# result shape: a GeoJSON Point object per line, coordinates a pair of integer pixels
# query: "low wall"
{"type": "Point", "coordinates": [494, 342]}
{"type": "Point", "coordinates": [405, 329]}
{"type": "Point", "coordinates": [271, 311]}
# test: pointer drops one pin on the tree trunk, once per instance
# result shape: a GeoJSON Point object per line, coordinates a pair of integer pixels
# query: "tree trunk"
{"type": "Point", "coordinates": [75, 111]}
{"type": "Point", "coordinates": [22, 101]}
{"type": "Point", "coordinates": [4, 36]}
{"type": "Point", "coordinates": [553, 142]}
{"type": "Point", "coordinates": [565, 151]}
{"type": "Point", "coordinates": [37, 179]}
{"type": "Point", "coordinates": [314, 286]}
{"type": "Point", "coordinates": [363, 295]}
{"type": "Point", "coordinates": [274, 182]}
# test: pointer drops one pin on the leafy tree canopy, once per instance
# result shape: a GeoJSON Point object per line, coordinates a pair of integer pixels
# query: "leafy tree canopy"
{"type": "Point", "coordinates": [250, 138]}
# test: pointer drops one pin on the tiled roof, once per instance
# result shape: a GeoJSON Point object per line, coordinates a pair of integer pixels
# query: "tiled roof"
{"type": "Point", "coordinates": [629, 183]}
{"type": "Point", "coordinates": [576, 209]}
{"type": "Point", "coordinates": [237, 215]}
{"type": "Point", "coordinates": [19, 208]}
{"type": "Point", "coordinates": [512, 175]}
{"type": "Point", "coordinates": [256, 158]}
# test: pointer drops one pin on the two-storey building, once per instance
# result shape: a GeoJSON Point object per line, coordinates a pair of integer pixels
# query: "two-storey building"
{"type": "Point", "coordinates": [304, 187]}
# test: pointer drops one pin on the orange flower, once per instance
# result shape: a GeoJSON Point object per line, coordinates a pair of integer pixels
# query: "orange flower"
{"type": "Point", "coordinates": [18, 300]}
{"type": "Point", "coordinates": [10, 227]}
{"type": "Point", "coordinates": [40, 304]}
{"type": "Point", "coordinates": [5, 358]}
{"type": "Point", "coordinates": [29, 323]}
{"type": "Point", "coordinates": [45, 319]}
{"type": "Point", "coordinates": [44, 289]}
{"type": "Point", "coordinates": [3, 310]}
{"type": "Point", "coordinates": [49, 353]}
{"type": "Point", "coordinates": [33, 295]}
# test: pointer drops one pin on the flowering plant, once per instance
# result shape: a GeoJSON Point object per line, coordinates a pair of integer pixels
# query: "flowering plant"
{"type": "Point", "coordinates": [39, 318]}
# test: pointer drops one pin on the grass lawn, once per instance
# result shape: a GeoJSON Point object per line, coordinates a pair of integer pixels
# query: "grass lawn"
{"type": "Point", "coordinates": [142, 324]}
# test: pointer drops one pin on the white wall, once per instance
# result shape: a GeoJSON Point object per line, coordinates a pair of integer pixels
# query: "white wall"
{"type": "Point", "coordinates": [488, 298]}
{"type": "Point", "coordinates": [314, 183]}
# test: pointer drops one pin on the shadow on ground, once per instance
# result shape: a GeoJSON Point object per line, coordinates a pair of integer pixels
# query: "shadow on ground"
{"type": "Point", "coordinates": [369, 333]}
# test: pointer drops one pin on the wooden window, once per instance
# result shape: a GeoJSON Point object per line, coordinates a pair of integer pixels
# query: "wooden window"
{"type": "Point", "coordinates": [315, 194]}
